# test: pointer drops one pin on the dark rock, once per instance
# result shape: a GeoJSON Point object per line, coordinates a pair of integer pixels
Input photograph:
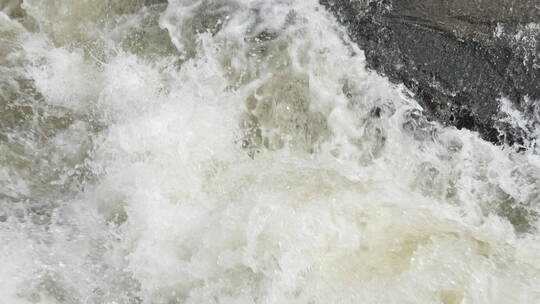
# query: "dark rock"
{"type": "Point", "coordinates": [458, 57]}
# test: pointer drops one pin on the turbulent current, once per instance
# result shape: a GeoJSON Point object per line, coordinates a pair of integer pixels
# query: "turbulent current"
{"type": "Point", "coordinates": [235, 151]}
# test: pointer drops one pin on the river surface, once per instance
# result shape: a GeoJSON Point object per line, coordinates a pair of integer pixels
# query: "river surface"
{"type": "Point", "coordinates": [224, 151]}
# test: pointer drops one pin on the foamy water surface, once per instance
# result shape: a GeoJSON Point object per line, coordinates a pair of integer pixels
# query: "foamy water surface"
{"type": "Point", "coordinates": [223, 151]}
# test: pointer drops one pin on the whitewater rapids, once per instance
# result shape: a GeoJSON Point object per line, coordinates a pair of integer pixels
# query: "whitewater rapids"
{"type": "Point", "coordinates": [229, 151]}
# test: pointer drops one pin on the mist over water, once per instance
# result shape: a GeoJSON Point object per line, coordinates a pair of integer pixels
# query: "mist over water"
{"type": "Point", "coordinates": [223, 151]}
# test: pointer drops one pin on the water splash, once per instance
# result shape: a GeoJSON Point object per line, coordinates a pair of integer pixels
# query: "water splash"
{"type": "Point", "coordinates": [238, 152]}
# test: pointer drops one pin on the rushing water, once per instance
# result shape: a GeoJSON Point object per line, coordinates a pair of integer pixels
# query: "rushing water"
{"type": "Point", "coordinates": [234, 151]}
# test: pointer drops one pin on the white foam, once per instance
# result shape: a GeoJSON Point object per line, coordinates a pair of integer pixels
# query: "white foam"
{"type": "Point", "coordinates": [320, 202]}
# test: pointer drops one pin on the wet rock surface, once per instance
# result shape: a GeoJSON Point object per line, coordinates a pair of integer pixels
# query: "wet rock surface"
{"type": "Point", "coordinates": [460, 58]}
